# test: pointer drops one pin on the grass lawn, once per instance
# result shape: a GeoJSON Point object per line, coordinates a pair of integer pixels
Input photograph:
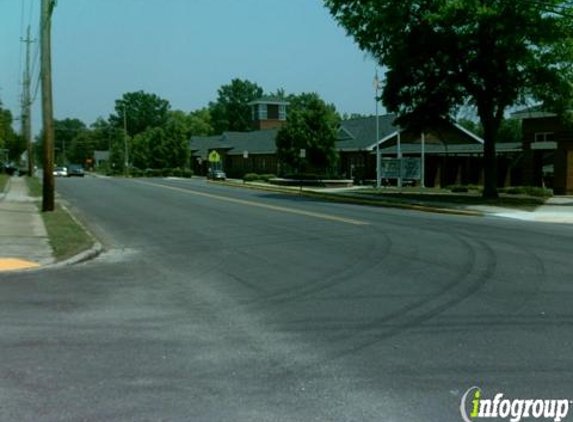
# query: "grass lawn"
{"type": "Point", "coordinates": [472, 198]}
{"type": "Point", "coordinates": [3, 180]}
{"type": "Point", "coordinates": [67, 237]}
{"type": "Point", "coordinates": [34, 186]}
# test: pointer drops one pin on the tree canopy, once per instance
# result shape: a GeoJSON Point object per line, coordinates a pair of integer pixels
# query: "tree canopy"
{"type": "Point", "coordinates": [311, 125]}
{"type": "Point", "coordinates": [440, 54]}
{"type": "Point", "coordinates": [142, 111]}
{"type": "Point", "coordinates": [9, 139]}
{"type": "Point", "coordinates": [231, 111]}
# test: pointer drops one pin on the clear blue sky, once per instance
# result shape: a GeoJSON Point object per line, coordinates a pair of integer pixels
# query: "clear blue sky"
{"type": "Point", "coordinates": [183, 51]}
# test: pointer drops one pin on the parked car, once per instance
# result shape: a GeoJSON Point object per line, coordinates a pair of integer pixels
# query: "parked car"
{"type": "Point", "coordinates": [61, 172]}
{"type": "Point", "coordinates": [76, 170]}
{"type": "Point", "coordinates": [216, 175]}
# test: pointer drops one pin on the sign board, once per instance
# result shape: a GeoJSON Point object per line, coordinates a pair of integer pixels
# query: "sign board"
{"type": "Point", "coordinates": [303, 153]}
{"type": "Point", "coordinates": [390, 168]}
{"type": "Point", "coordinates": [245, 154]}
{"type": "Point", "coordinates": [406, 168]}
{"type": "Point", "coordinates": [214, 157]}
{"type": "Point", "coordinates": [411, 168]}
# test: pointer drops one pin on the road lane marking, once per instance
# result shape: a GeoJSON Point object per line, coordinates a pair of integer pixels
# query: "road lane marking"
{"type": "Point", "coordinates": [11, 264]}
{"type": "Point", "coordinates": [261, 205]}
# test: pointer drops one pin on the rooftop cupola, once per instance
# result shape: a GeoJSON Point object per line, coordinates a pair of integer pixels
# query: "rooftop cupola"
{"type": "Point", "coordinates": [268, 112]}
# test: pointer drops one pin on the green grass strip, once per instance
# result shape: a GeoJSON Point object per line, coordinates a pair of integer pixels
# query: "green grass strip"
{"type": "Point", "coordinates": [67, 237]}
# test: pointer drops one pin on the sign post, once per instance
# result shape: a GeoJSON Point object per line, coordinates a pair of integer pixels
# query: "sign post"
{"type": "Point", "coordinates": [302, 155]}
{"type": "Point", "coordinates": [214, 158]}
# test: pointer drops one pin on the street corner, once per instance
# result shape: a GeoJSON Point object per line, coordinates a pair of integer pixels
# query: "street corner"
{"type": "Point", "coordinates": [14, 264]}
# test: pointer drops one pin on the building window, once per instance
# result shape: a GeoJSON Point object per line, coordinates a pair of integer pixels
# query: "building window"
{"type": "Point", "coordinates": [544, 137]}
{"type": "Point", "coordinates": [263, 112]}
{"type": "Point", "coordinates": [282, 112]}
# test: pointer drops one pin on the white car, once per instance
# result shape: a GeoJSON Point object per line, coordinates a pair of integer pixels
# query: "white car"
{"type": "Point", "coordinates": [61, 172]}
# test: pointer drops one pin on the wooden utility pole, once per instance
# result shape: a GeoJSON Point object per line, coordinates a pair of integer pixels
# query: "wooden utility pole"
{"type": "Point", "coordinates": [27, 106]}
{"type": "Point", "coordinates": [47, 104]}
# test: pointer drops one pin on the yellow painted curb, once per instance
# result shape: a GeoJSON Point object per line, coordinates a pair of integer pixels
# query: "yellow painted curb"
{"type": "Point", "coordinates": [11, 264]}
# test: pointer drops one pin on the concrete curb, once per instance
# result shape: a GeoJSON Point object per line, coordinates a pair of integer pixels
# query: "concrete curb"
{"type": "Point", "coordinates": [357, 201]}
{"type": "Point", "coordinates": [83, 256]}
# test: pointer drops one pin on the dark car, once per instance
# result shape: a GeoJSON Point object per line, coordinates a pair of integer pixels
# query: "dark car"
{"type": "Point", "coordinates": [76, 170]}
{"type": "Point", "coordinates": [216, 175]}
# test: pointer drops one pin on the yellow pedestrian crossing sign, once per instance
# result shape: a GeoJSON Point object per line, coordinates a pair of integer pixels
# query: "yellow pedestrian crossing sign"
{"type": "Point", "coordinates": [214, 157]}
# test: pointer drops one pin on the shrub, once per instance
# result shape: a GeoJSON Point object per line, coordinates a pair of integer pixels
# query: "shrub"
{"type": "Point", "coordinates": [527, 190]}
{"type": "Point", "coordinates": [187, 173]}
{"type": "Point", "coordinates": [458, 189]}
{"type": "Point", "coordinates": [251, 177]}
{"type": "Point", "coordinates": [176, 172]}
{"type": "Point", "coordinates": [166, 172]}
{"type": "Point", "coordinates": [303, 176]}
{"type": "Point", "coordinates": [267, 177]}
{"type": "Point", "coordinates": [153, 173]}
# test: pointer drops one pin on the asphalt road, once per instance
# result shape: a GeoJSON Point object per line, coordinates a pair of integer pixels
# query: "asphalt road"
{"type": "Point", "coordinates": [223, 304]}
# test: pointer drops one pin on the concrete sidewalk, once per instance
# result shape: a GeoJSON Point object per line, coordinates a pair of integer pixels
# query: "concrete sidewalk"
{"type": "Point", "coordinates": [23, 238]}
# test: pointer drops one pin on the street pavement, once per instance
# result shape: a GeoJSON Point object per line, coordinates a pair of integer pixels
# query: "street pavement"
{"type": "Point", "coordinates": [213, 303]}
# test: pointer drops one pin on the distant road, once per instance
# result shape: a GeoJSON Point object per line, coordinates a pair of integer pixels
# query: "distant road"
{"type": "Point", "coordinates": [224, 304]}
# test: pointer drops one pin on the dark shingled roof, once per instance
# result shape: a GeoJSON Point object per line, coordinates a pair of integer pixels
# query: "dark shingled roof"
{"type": "Point", "coordinates": [256, 142]}
{"type": "Point", "coordinates": [359, 134]}
{"type": "Point", "coordinates": [200, 145]}
{"type": "Point", "coordinates": [353, 135]}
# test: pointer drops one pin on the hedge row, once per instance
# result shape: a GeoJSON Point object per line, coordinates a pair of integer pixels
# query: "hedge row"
{"type": "Point", "coordinates": [254, 177]}
{"type": "Point", "coordinates": [512, 190]}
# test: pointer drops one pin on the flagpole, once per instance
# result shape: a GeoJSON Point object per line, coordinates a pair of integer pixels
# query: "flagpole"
{"type": "Point", "coordinates": [378, 159]}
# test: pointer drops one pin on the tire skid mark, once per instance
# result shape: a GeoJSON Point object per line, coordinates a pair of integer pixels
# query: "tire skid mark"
{"type": "Point", "coordinates": [421, 311]}
{"type": "Point", "coordinates": [377, 253]}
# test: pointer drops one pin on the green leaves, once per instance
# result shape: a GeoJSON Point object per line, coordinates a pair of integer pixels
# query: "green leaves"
{"type": "Point", "coordinates": [440, 54]}
{"type": "Point", "coordinates": [311, 125]}
{"type": "Point", "coordinates": [231, 111]}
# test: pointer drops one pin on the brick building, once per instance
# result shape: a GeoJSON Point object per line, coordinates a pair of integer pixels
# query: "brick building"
{"type": "Point", "coordinates": [547, 150]}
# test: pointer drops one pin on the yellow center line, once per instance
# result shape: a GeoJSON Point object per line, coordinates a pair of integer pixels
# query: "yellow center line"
{"type": "Point", "coordinates": [261, 205]}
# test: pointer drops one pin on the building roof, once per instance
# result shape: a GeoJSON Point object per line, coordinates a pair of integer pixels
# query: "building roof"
{"type": "Point", "coordinates": [360, 134]}
{"type": "Point", "coordinates": [269, 99]}
{"type": "Point", "coordinates": [201, 145]}
{"type": "Point", "coordinates": [353, 135]}
{"type": "Point", "coordinates": [534, 112]}
{"type": "Point", "coordinates": [256, 142]}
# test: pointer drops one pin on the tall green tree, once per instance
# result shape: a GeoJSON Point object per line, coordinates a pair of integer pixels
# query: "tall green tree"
{"type": "Point", "coordinates": [200, 122]}
{"type": "Point", "coordinates": [6, 130]}
{"type": "Point", "coordinates": [231, 111]}
{"type": "Point", "coordinates": [311, 125]}
{"type": "Point", "coordinates": [142, 111]}
{"type": "Point", "coordinates": [440, 54]}
{"type": "Point", "coordinates": [66, 131]}
{"type": "Point", "coordinates": [161, 147]}
{"type": "Point", "coordinates": [195, 123]}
